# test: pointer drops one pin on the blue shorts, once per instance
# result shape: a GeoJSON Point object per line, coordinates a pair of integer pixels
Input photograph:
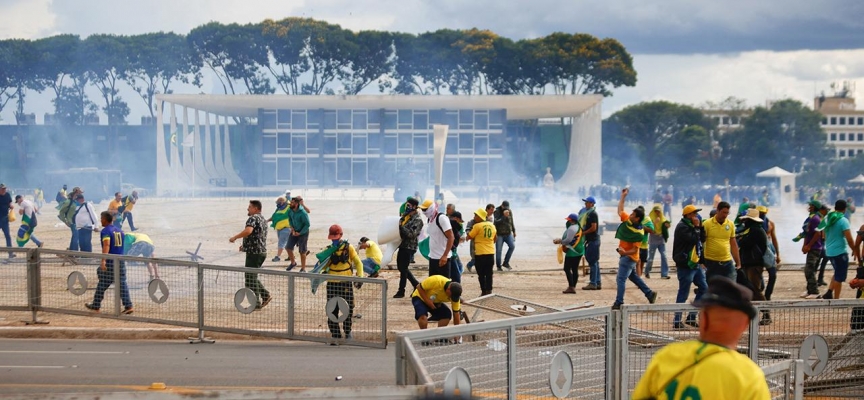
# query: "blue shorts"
{"type": "Point", "coordinates": [421, 310]}
{"type": "Point", "coordinates": [299, 241]}
{"type": "Point", "coordinates": [841, 267]}
{"type": "Point", "coordinates": [143, 249]}
{"type": "Point", "coordinates": [283, 235]}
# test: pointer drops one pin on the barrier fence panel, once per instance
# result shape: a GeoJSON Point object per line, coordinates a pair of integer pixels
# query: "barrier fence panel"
{"type": "Point", "coordinates": [68, 280]}
{"type": "Point", "coordinates": [14, 278]}
{"type": "Point", "coordinates": [230, 307]}
{"type": "Point", "coordinates": [169, 297]}
{"type": "Point", "coordinates": [819, 332]}
{"type": "Point", "coordinates": [785, 379]}
{"type": "Point", "coordinates": [542, 356]}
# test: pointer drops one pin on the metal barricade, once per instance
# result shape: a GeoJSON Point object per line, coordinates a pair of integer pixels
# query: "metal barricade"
{"type": "Point", "coordinates": [785, 379]}
{"type": "Point", "coordinates": [529, 357]}
{"type": "Point", "coordinates": [206, 297]}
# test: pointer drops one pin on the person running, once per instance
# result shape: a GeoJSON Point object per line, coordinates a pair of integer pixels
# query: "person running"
{"type": "Point", "coordinates": [112, 239]}
{"type": "Point", "coordinates": [657, 242]}
{"type": "Point", "coordinates": [115, 204]}
{"type": "Point", "coordinates": [66, 213]}
{"type": "Point", "coordinates": [572, 243]}
{"type": "Point", "coordinates": [687, 255]}
{"type": "Point", "coordinates": [589, 221]}
{"type": "Point", "coordinates": [410, 226]}
{"type": "Point", "coordinates": [506, 231]}
{"type": "Point", "coordinates": [299, 220]}
{"type": "Point", "coordinates": [280, 222]}
{"type": "Point", "coordinates": [837, 237]}
{"type": "Point", "coordinates": [372, 262]}
{"type": "Point", "coordinates": [343, 261]}
{"type": "Point", "coordinates": [125, 210]}
{"type": "Point", "coordinates": [483, 235]}
{"type": "Point", "coordinates": [710, 367]}
{"type": "Point", "coordinates": [753, 243]}
{"type": "Point", "coordinates": [254, 244]}
{"type": "Point", "coordinates": [139, 244]}
{"type": "Point", "coordinates": [721, 248]}
{"type": "Point", "coordinates": [629, 234]}
{"type": "Point", "coordinates": [28, 222]}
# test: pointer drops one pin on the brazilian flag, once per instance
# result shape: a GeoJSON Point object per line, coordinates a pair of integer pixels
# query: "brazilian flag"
{"type": "Point", "coordinates": [24, 231]}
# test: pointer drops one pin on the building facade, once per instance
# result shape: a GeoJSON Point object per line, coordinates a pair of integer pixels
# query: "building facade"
{"type": "Point", "coordinates": [843, 124]}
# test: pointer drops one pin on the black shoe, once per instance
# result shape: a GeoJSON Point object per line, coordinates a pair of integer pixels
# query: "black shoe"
{"type": "Point", "coordinates": [828, 295]}
{"type": "Point", "coordinates": [822, 283]}
{"type": "Point", "coordinates": [647, 275]}
{"type": "Point", "coordinates": [500, 270]}
{"type": "Point", "coordinates": [507, 265]}
{"type": "Point", "coordinates": [665, 277]}
{"type": "Point", "coordinates": [616, 306]}
{"type": "Point", "coordinates": [400, 294]}
{"type": "Point", "coordinates": [266, 301]}
{"type": "Point", "coordinates": [91, 307]}
{"type": "Point", "coordinates": [652, 298]}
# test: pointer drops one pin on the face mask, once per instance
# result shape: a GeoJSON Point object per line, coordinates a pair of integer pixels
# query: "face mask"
{"type": "Point", "coordinates": [335, 242]}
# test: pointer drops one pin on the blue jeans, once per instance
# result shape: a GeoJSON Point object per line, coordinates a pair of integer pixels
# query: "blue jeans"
{"type": "Point", "coordinates": [627, 270]}
{"type": "Point", "coordinates": [4, 226]}
{"type": "Point", "coordinates": [369, 266]}
{"type": "Point", "coordinates": [73, 242]}
{"type": "Point", "coordinates": [128, 217]}
{"type": "Point", "coordinates": [717, 268]}
{"type": "Point", "coordinates": [592, 257]}
{"type": "Point", "coordinates": [85, 240]}
{"type": "Point", "coordinates": [687, 277]}
{"type": "Point", "coordinates": [456, 269]}
{"type": "Point", "coordinates": [664, 265]}
{"type": "Point", "coordinates": [106, 279]}
{"type": "Point", "coordinates": [511, 245]}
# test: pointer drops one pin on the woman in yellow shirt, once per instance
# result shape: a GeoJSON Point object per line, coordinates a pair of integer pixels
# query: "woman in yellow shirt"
{"type": "Point", "coordinates": [484, 236]}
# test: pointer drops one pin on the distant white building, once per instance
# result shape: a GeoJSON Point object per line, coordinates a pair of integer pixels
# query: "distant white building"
{"type": "Point", "coordinates": [843, 123]}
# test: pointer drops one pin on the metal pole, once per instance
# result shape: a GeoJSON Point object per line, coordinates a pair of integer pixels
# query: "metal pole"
{"type": "Point", "coordinates": [753, 341]}
{"type": "Point", "coordinates": [384, 313]}
{"type": "Point", "coordinates": [201, 338]}
{"type": "Point", "coordinates": [118, 292]}
{"type": "Point", "coordinates": [511, 362]}
{"type": "Point", "coordinates": [612, 334]}
{"type": "Point", "coordinates": [291, 289]}
{"type": "Point", "coordinates": [34, 286]}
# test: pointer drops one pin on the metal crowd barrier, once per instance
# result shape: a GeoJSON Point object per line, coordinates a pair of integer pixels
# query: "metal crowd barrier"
{"type": "Point", "coordinates": [194, 295]}
{"type": "Point", "coordinates": [808, 348]}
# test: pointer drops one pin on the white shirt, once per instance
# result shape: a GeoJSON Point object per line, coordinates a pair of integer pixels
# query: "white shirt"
{"type": "Point", "coordinates": [27, 208]}
{"type": "Point", "coordinates": [85, 217]}
{"type": "Point", "coordinates": [437, 240]}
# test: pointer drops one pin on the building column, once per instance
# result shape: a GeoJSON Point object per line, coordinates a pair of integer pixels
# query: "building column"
{"type": "Point", "coordinates": [584, 166]}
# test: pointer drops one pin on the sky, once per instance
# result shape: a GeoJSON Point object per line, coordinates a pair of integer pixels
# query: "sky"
{"type": "Point", "coordinates": [684, 51]}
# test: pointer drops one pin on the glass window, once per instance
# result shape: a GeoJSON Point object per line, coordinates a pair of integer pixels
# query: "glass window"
{"type": "Point", "coordinates": [452, 119]}
{"type": "Point", "coordinates": [284, 168]}
{"type": "Point", "coordinates": [343, 117]}
{"type": "Point", "coordinates": [466, 141]}
{"type": "Point", "coordinates": [268, 172]}
{"type": "Point", "coordinates": [725, 120]}
{"type": "Point", "coordinates": [314, 169]}
{"type": "Point", "coordinates": [833, 120]}
{"type": "Point", "coordinates": [436, 117]}
{"type": "Point", "coordinates": [851, 137]}
{"type": "Point", "coordinates": [842, 137]}
{"type": "Point", "coordinates": [298, 172]}
{"type": "Point", "coordinates": [390, 120]}
{"type": "Point", "coordinates": [421, 121]}
{"type": "Point", "coordinates": [496, 141]}
{"type": "Point", "coordinates": [389, 144]}
{"type": "Point", "coordinates": [328, 176]}
{"type": "Point", "coordinates": [343, 141]}
{"type": "Point", "coordinates": [313, 142]}
{"type": "Point", "coordinates": [359, 144]}
{"type": "Point", "coordinates": [860, 151]}
{"type": "Point", "coordinates": [851, 120]}
{"type": "Point", "coordinates": [833, 137]}
{"type": "Point", "coordinates": [284, 140]}
{"type": "Point", "coordinates": [481, 145]}
{"type": "Point", "coordinates": [466, 170]}
{"type": "Point", "coordinates": [405, 140]}
{"type": "Point", "coordinates": [452, 143]}
{"type": "Point", "coordinates": [268, 144]}
{"type": "Point", "coordinates": [359, 122]}
{"type": "Point", "coordinates": [268, 120]}
{"type": "Point", "coordinates": [343, 169]}
{"type": "Point", "coordinates": [313, 119]}
{"type": "Point", "coordinates": [842, 120]}
{"type": "Point", "coordinates": [861, 137]}
{"type": "Point", "coordinates": [481, 121]}
{"type": "Point", "coordinates": [842, 153]}
{"type": "Point", "coordinates": [329, 144]}
{"type": "Point", "coordinates": [824, 121]}
{"type": "Point", "coordinates": [358, 173]}
{"type": "Point", "coordinates": [466, 117]}
{"type": "Point", "coordinates": [406, 117]}
{"type": "Point", "coordinates": [298, 143]}
{"type": "Point", "coordinates": [860, 120]}
{"type": "Point", "coordinates": [421, 144]}
{"type": "Point", "coordinates": [374, 141]}
{"type": "Point", "coordinates": [496, 117]}
{"type": "Point", "coordinates": [298, 120]}
{"type": "Point", "coordinates": [330, 120]}
{"type": "Point", "coordinates": [374, 116]}
{"type": "Point", "coordinates": [284, 116]}
{"type": "Point", "coordinates": [481, 173]}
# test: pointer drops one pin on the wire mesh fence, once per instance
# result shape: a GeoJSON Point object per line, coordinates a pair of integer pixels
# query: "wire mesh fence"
{"type": "Point", "coordinates": [208, 297]}
{"type": "Point", "coordinates": [14, 294]}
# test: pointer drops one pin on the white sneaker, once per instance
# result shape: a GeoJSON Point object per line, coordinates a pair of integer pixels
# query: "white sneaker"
{"type": "Point", "coordinates": [803, 295]}
{"type": "Point", "coordinates": [811, 296]}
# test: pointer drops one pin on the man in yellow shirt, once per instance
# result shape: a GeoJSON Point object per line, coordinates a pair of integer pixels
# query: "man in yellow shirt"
{"type": "Point", "coordinates": [139, 244]}
{"type": "Point", "coordinates": [372, 262]}
{"type": "Point", "coordinates": [343, 262]}
{"type": "Point", "coordinates": [710, 367]}
{"type": "Point", "coordinates": [721, 248]}
{"type": "Point", "coordinates": [429, 298]}
{"type": "Point", "coordinates": [114, 206]}
{"type": "Point", "coordinates": [630, 234]}
{"type": "Point", "coordinates": [484, 235]}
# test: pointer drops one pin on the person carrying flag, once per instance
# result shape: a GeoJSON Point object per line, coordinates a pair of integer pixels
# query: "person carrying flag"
{"type": "Point", "coordinates": [687, 256]}
{"type": "Point", "coordinates": [340, 258]}
{"type": "Point", "coordinates": [629, 234]}
{"type": "Point", "coordinates": [28, 222]}
{"type": "Point", "coordinates": [572, 243]}
{"type": "Point", "coordinates": [280, 222]}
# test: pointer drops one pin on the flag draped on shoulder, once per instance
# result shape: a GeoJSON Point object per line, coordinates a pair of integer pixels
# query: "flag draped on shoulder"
{"type": "Point", "coordinates": [322, 266]}
{"type": "Point", "coordinates": [628, 233]}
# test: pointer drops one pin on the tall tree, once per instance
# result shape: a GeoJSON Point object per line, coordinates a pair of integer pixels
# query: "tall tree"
{"type": "Point", "coordinates": [330, 51]}
{"type": "Point", "coordinates": [371, 61]}
{"type": "Point", "coordinates": [582, 64]}
{"type": "Point", "coordinates": [58, 59]}
{"type": "Point", "coordinates": [788, 135]}
{"type": "Point", "coordinates": [106, 58]}
{"type": "Point", "coordinates": [235, 53]}
{"type": "Point", "coordinates": [662, 134]}
{"type": "Point", "coordinates": [156, 60]}
{"type": "Point", "coordinates": [287, 40]}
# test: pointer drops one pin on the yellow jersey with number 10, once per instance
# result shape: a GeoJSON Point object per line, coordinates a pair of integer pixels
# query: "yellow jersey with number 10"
{"type": "Point", "coordinates": [483, 235]}
{"type": "Point", "coordinates": [697, 370]}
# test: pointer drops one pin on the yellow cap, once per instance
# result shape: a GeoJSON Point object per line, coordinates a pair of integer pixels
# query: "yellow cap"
{"type": "Point", "coordinates": [426, 204]}
{"type": "Point", "coordinates": [480, 213]}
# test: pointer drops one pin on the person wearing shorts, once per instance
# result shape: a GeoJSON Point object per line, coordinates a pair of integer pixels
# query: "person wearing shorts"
{"type": "Point", "coordinates": [837, 237]}
{"type": "Point", "coordinates": [139, 244]}
{"type": "Point", "coordinates": [279, 221]}
{"type": "Point", "coordinates": [429, 298]}
{"type": "Point", "coordinates": [299, 221]}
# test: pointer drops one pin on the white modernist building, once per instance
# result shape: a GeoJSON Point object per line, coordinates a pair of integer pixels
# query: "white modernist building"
{"type": "Point", "coordinates": [310, 141]}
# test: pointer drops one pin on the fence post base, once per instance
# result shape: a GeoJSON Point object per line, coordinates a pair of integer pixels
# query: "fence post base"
{"type": "Point", "coordinates": [34, 320]}
{"type": "Point", "coordinates": [201, 338]}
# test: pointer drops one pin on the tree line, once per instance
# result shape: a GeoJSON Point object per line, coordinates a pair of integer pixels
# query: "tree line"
{"type": "Point", "coordinates": [301, 56]}
{"type": "Point", "coordinates": [671, 143]}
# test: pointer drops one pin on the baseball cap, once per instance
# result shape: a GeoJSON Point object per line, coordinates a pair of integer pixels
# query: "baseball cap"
{"type": "Point", "coordinates": [590, 199]}
{"type": "Point", "coordinates": [455, 291]}
{"type": "Point", "coordinates": [426, 204]}
{"type": "Point", "coordinates": [815, 203]}
{"type": "Point", "coordinates": [335, 232]}
{"type": "Point", "coordinates": [480, 213]}
{"type": "Point", "coordinates": [690, 209]}
{"type": "Point", "coordinates": [762, 209]}
{"type": "Point", "coordinates": [573, 217]}
{"type": "Point", "coordinates": [412, 201]}
{"type": "Point", "coordinates": [363, 239]}
{"type": "Point", "coordinates": [456, 214]}
{"type": "Point", "coordinates": [2, 186]}
{"type": "Point", "coordinates": [724, 292]}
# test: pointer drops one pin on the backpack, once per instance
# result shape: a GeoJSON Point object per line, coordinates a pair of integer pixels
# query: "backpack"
{"type": "Point", "coordinates": [64, 209]}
